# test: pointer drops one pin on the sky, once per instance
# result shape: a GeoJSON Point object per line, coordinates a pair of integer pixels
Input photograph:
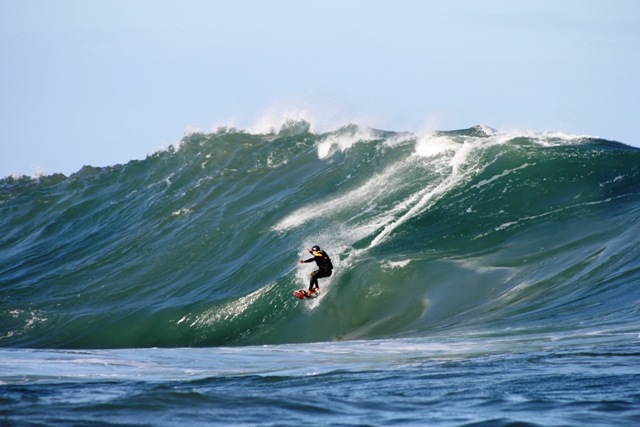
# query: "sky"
{"type": "Point", "coordinates": [104, 82]}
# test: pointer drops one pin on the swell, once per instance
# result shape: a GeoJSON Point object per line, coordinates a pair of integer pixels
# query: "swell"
{"type": "Point", "coordinates": [470, 230]}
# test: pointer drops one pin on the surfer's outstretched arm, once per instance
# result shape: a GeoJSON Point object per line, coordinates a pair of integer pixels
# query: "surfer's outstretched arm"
{"type": "Point", "coordinates": [302, 261]}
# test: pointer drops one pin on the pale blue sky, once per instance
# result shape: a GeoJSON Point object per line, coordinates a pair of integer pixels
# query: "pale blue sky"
{"type": "Point", "coordinates": [103, 82]}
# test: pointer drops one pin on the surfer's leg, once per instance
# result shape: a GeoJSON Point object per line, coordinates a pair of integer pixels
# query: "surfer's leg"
{"type": "Point", "coordinates": [313, 283]}
{"type": "Point", "coordinates": [318, 274]}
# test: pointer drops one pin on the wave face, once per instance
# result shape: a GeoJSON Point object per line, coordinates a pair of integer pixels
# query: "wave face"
{"type": "Point", "coordinates": [472, 231]}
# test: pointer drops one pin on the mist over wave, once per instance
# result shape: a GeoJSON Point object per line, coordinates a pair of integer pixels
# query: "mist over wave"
{"type": "Point", "coordinates": [472, 231]}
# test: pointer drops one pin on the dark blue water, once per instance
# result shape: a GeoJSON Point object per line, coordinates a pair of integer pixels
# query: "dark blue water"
{"type": "Point", "coordinates": [481, 279]}
{"type": "Point", "coordinates": [455, 381]}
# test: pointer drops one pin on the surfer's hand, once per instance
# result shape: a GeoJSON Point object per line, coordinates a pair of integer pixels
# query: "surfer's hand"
{"type": "Point", "coordinates": [301, 262]}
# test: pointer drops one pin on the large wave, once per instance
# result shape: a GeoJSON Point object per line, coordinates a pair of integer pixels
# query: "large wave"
{"type": "Point", "coordinates": [470, 231]}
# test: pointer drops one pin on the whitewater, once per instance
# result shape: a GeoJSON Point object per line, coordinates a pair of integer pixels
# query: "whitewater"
{"type": "Point", "coordinates": [482, 278]}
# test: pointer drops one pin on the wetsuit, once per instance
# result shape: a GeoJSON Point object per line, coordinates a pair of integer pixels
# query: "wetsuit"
{"type": "Point", "coordinates": [324, 268]}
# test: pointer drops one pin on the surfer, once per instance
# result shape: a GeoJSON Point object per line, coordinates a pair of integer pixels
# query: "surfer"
{"type": "Point", "coordinates": [324, 267]}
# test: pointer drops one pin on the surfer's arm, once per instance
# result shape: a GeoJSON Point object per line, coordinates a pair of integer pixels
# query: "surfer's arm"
{"type": "Point", "coordinates": [309, 260]}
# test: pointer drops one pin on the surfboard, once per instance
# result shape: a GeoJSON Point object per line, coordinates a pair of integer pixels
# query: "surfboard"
{"type": "Point", "coordinates": [301, 295]}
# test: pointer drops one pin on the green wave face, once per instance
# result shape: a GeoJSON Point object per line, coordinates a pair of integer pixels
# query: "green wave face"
{"type": "Point", "coordinates": [198, 245]}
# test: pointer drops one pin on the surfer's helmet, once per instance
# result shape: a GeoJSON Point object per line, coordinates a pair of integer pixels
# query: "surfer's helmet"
{"type": "Point", "coordinates": [316, 248]}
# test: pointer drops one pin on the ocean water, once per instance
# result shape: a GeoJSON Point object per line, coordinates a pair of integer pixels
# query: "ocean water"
{"type": "Point", "coordinates": [481, 278]}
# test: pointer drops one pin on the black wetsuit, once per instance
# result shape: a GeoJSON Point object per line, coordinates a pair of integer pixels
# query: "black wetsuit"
{"type": "Point", "coordinates": [324, 268]}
